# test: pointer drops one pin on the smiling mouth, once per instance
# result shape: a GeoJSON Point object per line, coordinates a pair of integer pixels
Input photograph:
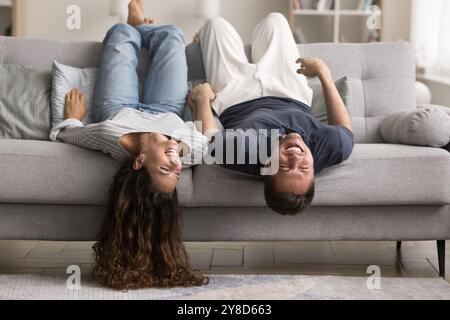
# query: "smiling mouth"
{"type": "Point", "coordinates": [294, 148]}
{"type": "Point", "coordinates": [172, 151]}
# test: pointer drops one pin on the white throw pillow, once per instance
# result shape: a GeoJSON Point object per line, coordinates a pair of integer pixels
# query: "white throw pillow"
{"type": "Point", "coordinates": [66, 78]}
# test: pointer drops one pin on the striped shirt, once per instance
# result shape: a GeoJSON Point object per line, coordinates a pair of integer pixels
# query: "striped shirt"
{"type": "Point", "coordinates": [105, 136]}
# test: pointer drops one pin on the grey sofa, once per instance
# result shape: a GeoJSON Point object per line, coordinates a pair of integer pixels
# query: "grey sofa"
{"type": "Point", "coordinates": [55, 191]}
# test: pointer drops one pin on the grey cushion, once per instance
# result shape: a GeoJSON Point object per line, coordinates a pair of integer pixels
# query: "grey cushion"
{"type": "Point", "coordinates": [41, 172]}
{"type": "Point", "coordinates": [24, 103]}
{"type": "Point", "coordinates": [66, 78]}
{"type": "Point", "coordinates": [423, 127]}
{"type": "Point", "coordinates": [319, 107]}
{"type": "Point", "coordinates": [375, 174]}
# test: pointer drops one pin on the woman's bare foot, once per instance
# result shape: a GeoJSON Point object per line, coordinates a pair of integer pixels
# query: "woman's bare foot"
{"type": "Point", "coordinates": [136, 14]}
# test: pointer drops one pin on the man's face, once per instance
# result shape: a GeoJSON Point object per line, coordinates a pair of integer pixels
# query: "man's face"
{"type": "Point", "coordinates": [296, 173]}
{"type": "Point", "coordinates": [163, 163]}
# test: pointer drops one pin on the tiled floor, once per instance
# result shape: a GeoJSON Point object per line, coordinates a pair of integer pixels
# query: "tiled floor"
{"type": "Point", "coordinates": [416, 259]}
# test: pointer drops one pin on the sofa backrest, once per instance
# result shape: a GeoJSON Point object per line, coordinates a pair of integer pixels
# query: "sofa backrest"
{"type": "Point", "coordinates": [31, 52]}
{"type": "Point", "coordinates": [382, 74]}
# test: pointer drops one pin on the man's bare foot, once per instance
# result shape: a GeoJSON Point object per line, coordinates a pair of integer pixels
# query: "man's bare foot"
{"type": "Point", "coordinates": [136, 14]}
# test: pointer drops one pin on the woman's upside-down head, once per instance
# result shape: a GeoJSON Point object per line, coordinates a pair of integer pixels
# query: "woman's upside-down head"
{"type": "Point", "coordinates": [139, 245]}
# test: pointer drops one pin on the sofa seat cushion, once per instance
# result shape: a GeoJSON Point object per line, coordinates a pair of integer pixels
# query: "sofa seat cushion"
{"type": "Point", "coordinates": [41, 172]}
{"type": "Point", "coordinates": [375, 174]}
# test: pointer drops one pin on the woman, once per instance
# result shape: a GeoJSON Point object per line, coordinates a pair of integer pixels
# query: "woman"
{"type": "Point", "coordinates": [139, 244]}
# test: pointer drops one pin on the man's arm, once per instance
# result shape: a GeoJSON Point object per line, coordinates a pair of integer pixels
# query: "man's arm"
{"type": "Point", "coordinates": [337, 112]}
{"type": "Point", "coordinates": [199, 100]}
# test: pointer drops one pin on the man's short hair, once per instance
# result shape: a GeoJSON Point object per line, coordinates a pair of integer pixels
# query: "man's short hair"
{"type": "Point", "coordinates": [287, 203]}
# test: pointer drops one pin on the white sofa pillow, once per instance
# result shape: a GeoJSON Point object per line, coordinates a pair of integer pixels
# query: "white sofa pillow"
{"type": "Point", "coordinates": [66, 78]}
{"type": "Point", "coordinates": [426, 126]}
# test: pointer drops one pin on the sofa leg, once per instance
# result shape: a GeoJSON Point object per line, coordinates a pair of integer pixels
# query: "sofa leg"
{"type": "Point", "coordinates": [441, 257]}
{"type": "Point", "coordinates": [399, 245]}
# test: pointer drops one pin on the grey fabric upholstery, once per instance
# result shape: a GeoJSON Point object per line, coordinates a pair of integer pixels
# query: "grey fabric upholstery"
{"type": "Point", "coordinates": [396, 223]}
{"type": "Point", "coordinates": [56, 173]}
{"type": "Point", "coordinates": [375, 174]}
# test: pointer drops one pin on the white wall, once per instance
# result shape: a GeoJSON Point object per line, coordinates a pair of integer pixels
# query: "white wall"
{"type": "Point", "coordinates": [397, 20]}
{"type": "Point", "coordinates": [47, 18]}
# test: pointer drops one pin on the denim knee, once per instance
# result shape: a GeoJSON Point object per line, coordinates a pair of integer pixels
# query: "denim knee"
{"type": "Point", "coordinates": [122, 28]}
{"type": "Point", "coordinates": [172, 31]}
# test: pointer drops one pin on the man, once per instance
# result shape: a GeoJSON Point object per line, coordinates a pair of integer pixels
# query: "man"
{"type": "Point", "coordinates": [268, 94]}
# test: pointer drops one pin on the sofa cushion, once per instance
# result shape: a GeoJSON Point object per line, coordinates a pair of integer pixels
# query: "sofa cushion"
{"type": "Point", "coordinates": [421, 127]}
{"type": "Point", "coordinates": [40, 172]}
{"type": "Point", "coordinates": [24, 102]}
{"type": "Point", "coordinates": [375, 174]}
{"type": "Point", "coordinates": [65, 78]}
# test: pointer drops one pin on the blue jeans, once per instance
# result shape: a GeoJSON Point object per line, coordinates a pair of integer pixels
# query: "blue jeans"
{"type": "Point", "coordinates": [165, 87]}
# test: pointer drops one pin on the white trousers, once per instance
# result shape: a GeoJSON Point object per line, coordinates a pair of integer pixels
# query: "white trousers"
{"type": "Point", "coordinates": [271, 73]}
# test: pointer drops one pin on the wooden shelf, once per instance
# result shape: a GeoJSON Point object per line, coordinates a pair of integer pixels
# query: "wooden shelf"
{"type": "Point", "coordinates": [311, 12]}
{"type": "Point", "coordinates": [307, 12]}
{"type": "Point", "coordinates": [5, 3]}
{"type": "Point", "coordinates": [354, 13]}
{"type": "Point", "coordinates": [343, 22]}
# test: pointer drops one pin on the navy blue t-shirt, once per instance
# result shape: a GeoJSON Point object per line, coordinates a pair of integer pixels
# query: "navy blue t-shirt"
{"type": "Point", "coordinates": [330, 145]}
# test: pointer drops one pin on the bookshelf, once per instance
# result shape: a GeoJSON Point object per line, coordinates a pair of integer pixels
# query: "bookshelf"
{"type": "Point", "coordinates": [5, 17]}
{"type": "Point", "coordinates": [339, 21]}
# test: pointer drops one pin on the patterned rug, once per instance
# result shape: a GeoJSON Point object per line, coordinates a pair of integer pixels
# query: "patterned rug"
{"type": "Point", "coordinates": [233, 287]}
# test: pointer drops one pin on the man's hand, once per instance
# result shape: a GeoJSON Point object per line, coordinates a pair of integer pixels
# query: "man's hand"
{"type": "Point", "coordinates": [202, 94]}
{"type": "Point", "coordinates": [313, 67]}
{"type": "Point", "coordinates": [75, 107]}
{"type": "Point", "coordinates": [199, 101]}
{"type": "Point", "coordinates": [336, 110]}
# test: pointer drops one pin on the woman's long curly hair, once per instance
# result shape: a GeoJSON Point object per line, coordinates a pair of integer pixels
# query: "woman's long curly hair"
{"type": "Point", "coordinates": [139, 244]}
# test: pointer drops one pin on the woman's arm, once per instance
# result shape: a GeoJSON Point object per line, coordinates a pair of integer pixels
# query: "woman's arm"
{"type": "Point", "coordinates": [337, 112]}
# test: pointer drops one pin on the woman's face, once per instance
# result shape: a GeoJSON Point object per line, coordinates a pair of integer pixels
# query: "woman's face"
{"type": "Point", "coordinates": [162, 161]}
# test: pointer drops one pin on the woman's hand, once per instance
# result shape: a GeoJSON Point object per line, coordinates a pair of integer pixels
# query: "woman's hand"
{"type": "Point", "coordinates": [313, 67]}
{"type": "Point", "coordinates": [75, 106]}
